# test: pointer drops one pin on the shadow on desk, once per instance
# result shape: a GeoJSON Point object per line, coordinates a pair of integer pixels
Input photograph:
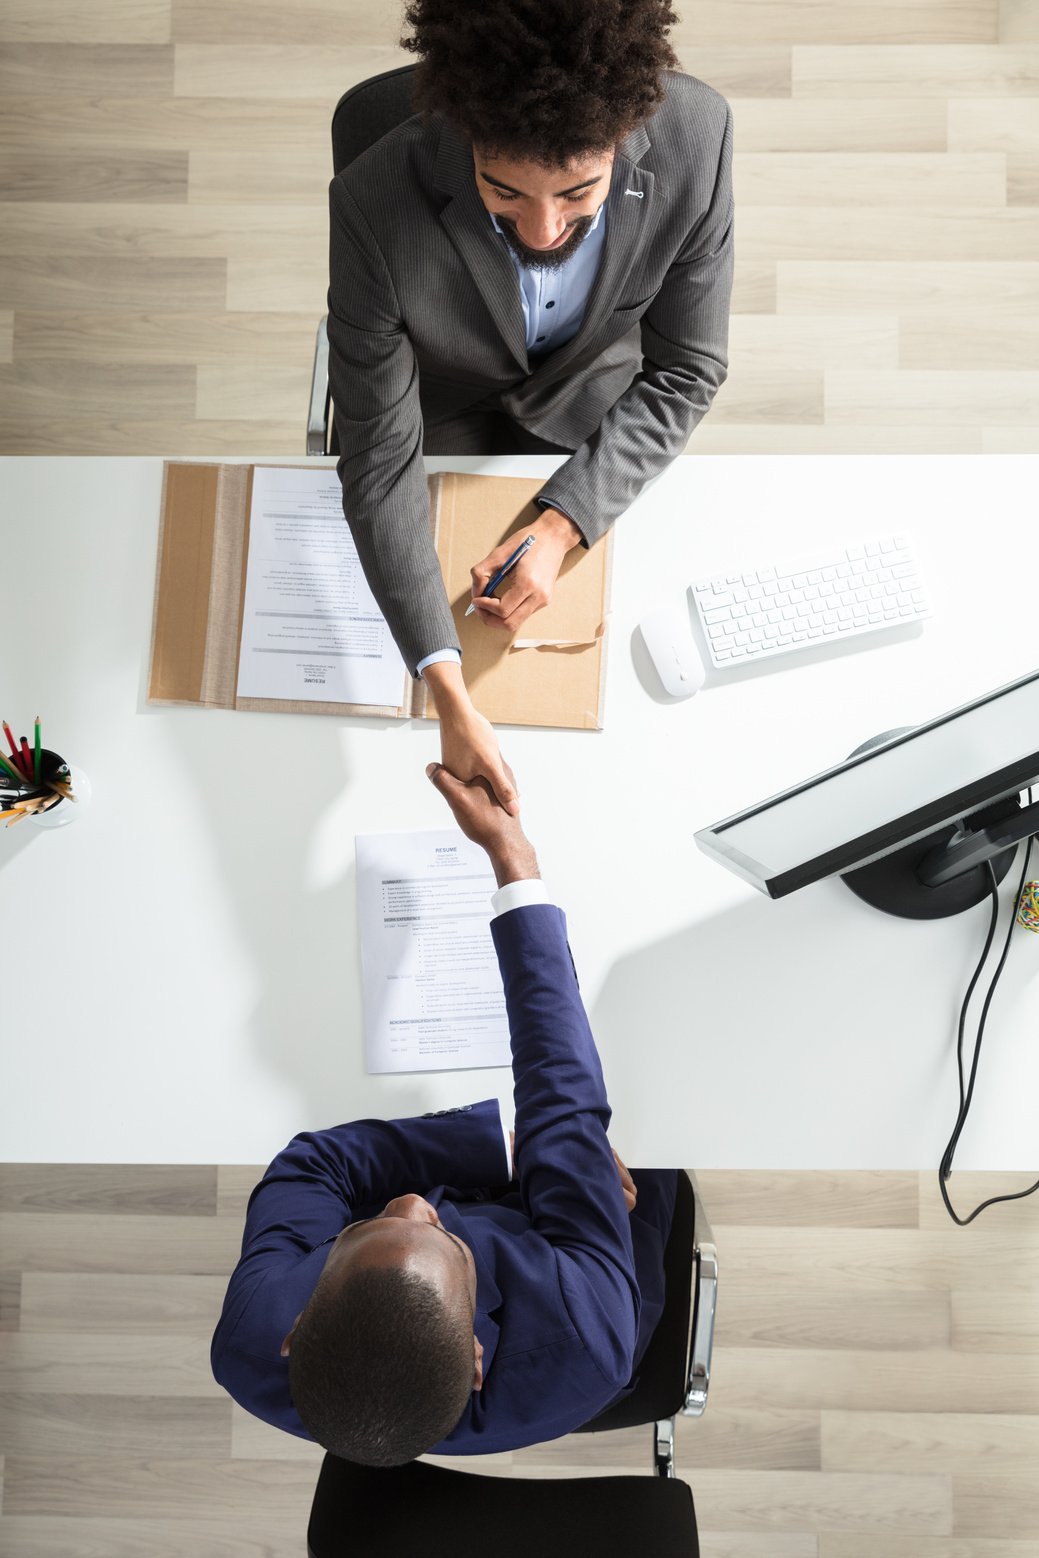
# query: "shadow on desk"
{"type": "Point", "coordinates": [812, 1008]}
{"type": "Point", "coordinates": [289, 879]}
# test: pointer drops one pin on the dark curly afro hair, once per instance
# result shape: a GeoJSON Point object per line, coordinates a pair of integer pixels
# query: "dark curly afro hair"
{"type": "Point", "coordinates": [544, 81]}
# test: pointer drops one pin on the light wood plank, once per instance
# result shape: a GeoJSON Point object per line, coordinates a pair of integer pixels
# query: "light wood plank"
{"type": "Point", "coordinates": [817, 125]}
{"type": "Point", "coordinates": [153, 1188]}
{"type": "Point", "coordinates": [767, 1440]}
{"type": "Point", "coordinates": [739, 438]}
{"type": "Point", "coordinates": [43, 1536]}
{"type": "Point", "coordinates": [262, 341]}
{"type": "Point", "coordinates": [781, 342]}
{"type": "Point", "coordinates": [881, 232]}
{"type": "Point", "coordinates": [968, 1190]}
{"type": "Point", "coordinates": [984, 1320]}
{"type": "Point", "coordinates": [84, 21]}
{"type": "Point", "coordinates": [99, 124]}
{"type": "Point", "coordinates": [1018, 21]}
{"type": "Point", "coordinates": [880, 286]}
{"type": "Point", "coordinates": [159, 231]}
{"type": "Point", "coordinates": [81, 281]}
{"type": "Point", "coordinates": [840, 21]}
{"type": "Point", "coordinates": [951, 399]}
{"type": "Point", "coordinates": [57, 176]}
{"type": "Point", "coordinates": [114, 1425]}
{"type": "Point", "coordinates": [362, 22]}
{"type": "Point", "coordinates": [281, 176]}
{"type": "Point", "coordinates": [1010, 440]}
{"type": "Point", "coordinates": [753, 288]}
{"type": "Point", "coordinates": [984, 343]}
{"type": "Point", "coordinates": [85, 68]}
{"type": "Point", "coordinates": [89, 1486]}
{"type": "Point", "coordinates": [933, 1381]}
{"type": "Point", "coordinates": [849, 1545]}
{"type": "Point", "coordinates": [99, 434]}
{"type": "Point", "coordinates": [252, 1439]}
{"type": "Point", "coordinates": [994, 124]}
{"type": "Point", "coordinates": [120, 1305]}
{"type": "Point", "coordinates": [99, 1242]}
{"type": "Point", "coordinates": [822, 1501]}
{"type": "Point", "coordinates": [1023, 180]}
{"type": "Point", "coordinates": [869, 178]}
{"type": "Point", "coordinates": [6, 335]}
{"type": "Point", "coordinates": [771, 395]}
{"type": "Point", "coordinates": [47, 390]}
{"type": "Point", "coordinates": [817, 1318]}
{"type": "Point", "coordinates": [963, 1443]}
{"type": "Point", "coordinates": [738, 69]}
{"type": "Point", "coordinates": [892, 1260]}
{"type": "Point", "coordinates": [285, 281]}
{"type": "Point", "coordinates": [320, 72]}
{"type": "Point", "coordinates": [234, 390]}
{"type": "Point", "coordinates": [98, 1364]}
{"type": "Point", "coordinates": [757, 1544]}
{"type": "Point", "coordinates": [898, 70]}
{"type": "Point", "coordinates": [811, 1199]}
{"type": "Point", "coordinates": [235, 1184]}
{"type": "Point", "coordinates": [997, 1506]}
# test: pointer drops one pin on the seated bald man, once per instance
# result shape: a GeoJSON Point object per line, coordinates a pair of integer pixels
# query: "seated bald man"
{"type": "Point", "coordinates": [397, 1294]}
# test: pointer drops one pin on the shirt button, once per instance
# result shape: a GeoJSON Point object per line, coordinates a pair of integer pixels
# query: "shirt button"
{"type": "Point", "coordinates": [540, 338]}
{"type": "Point", "coordinates": [550, 305]}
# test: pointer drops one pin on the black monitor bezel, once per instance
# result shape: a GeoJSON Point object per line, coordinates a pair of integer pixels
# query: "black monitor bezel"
{"type": "Point", "coordinates": [884, 840]}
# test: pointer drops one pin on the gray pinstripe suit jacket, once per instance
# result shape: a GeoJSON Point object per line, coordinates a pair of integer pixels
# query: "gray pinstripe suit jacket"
{"type": "Point", "coordinates": [425, 319]}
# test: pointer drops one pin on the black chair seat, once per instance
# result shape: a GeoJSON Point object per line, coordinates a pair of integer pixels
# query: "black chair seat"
{"type": "Point", "coordinates": [432, 1512]}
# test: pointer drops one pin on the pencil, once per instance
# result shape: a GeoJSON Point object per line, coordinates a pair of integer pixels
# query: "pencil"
{"type": "Point", "coordinates": [26, 758]}
{"type": "Point", "coordinates": [9, 733]}
{"type": "Point", "coordinates": [36, 754]}
{"type": "Point", "coordinates": [16, 773]}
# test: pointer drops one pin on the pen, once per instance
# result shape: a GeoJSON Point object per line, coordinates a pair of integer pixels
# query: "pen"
{"type": "Point", "coordinates": [511, 562]}
{"type": "Point", "coordinates": [27, 758]}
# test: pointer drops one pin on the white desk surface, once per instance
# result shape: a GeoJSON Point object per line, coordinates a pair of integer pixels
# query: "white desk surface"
{"type": "Point", "coordinates": [180, 966]}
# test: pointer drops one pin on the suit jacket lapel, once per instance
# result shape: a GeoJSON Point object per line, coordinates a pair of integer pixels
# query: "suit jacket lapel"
{"type": "Point", "coordinates": [627, 223]}
{"type": "Point", "coordinates": [469, 228]}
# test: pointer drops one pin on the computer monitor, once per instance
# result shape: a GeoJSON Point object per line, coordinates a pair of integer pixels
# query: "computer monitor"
{"type": "Point", "coordinates": [910, 819]}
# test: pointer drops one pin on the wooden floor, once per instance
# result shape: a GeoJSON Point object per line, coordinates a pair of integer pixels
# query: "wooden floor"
{"type": "Point", "coordinates": [163, 230]}
{"type": "Point", "coordinates": [875, 1392]}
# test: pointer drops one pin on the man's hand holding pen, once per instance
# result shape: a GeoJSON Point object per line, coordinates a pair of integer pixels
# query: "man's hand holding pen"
{"type": "Point", "coordinates": [529, 584]}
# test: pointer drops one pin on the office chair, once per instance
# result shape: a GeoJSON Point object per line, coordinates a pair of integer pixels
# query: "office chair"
{"type": "Point", "coordinates": [420, 1508]}
{"type": "Point", "coordinates": [362, 116]}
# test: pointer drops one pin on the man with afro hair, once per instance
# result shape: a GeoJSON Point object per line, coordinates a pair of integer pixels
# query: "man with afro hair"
{"type": "Point", "coordinates": [540, 260]}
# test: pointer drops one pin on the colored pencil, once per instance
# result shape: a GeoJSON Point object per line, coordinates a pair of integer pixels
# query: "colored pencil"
{"type": "Point", "coordinates": [9, 733]}
{"type": "Point", "coordinates": [26, 758]}
{"type": "Point", "coordinates": [16, 773]}
{"type": "Point", "coordinates": [36, 754]}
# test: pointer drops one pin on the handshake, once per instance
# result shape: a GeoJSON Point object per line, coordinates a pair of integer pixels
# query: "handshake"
{"type": "Point", "coordinates": [483, 819]}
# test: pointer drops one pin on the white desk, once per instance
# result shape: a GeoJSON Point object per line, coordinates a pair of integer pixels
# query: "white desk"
{"type": "Point", "coordinates": [180, 966]}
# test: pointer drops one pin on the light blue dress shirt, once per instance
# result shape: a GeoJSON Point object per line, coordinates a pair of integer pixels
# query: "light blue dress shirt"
{"type": "Point", "coordinates": [553, 302]}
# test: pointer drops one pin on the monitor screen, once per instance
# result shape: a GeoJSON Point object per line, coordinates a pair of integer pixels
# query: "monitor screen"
{"type": "Point", "coordinates": [887, 797]}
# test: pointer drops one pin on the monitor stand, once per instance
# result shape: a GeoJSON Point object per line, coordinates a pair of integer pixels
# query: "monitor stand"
{"type": "Point", "coordinates": [892, 884]}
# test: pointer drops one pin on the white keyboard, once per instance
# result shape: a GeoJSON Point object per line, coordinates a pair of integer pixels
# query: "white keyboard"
{"type": "Point", "coordinates": [797, 603]}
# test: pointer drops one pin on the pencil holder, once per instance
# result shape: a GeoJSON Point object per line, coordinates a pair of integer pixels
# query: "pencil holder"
{"type": "Point", "coordinates": [54, 767]}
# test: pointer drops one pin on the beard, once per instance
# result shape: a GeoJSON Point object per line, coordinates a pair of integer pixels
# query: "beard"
{"type": "Point", "coordinates": [545, 259]}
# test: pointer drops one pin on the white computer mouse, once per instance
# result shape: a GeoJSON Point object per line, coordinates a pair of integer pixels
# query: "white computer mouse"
{"type": "Point", "coordinates": [669, 638]}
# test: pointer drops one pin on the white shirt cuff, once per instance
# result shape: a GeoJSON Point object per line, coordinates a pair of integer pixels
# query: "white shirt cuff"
{"type": "Point", "coordinates": [516, 895]}
{"type": "Point", "coordinates": [439, 654]}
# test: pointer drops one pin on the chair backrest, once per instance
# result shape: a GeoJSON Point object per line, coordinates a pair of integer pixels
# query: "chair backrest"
{"type": "Point", "coordinates": [663, 1372]}
{"type": "Point", "coordinates": [361, 1512]}
{"type": "Point", "coordinates": [368, 112]}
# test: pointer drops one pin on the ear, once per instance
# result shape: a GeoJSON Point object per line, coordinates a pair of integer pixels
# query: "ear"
{"type": "Point", "coordinates": [477, 1362]}
{"type": "Point", "coordinates": [286, 1345]}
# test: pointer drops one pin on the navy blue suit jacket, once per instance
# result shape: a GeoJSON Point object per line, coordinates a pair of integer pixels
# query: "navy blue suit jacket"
{"type": "Point", "coordinates": [569, 1286]}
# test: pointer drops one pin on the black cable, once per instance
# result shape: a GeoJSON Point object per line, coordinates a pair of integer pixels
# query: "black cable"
{"type": "Point", "coordinates": [966, 1095]}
